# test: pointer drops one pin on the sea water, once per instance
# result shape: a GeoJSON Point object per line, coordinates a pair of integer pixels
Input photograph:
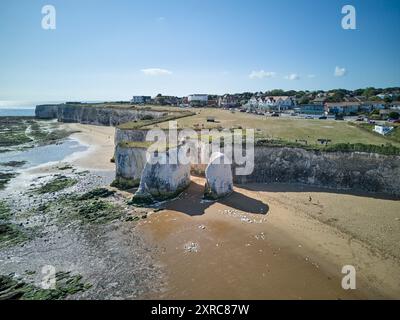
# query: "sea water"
{"type": "Point", "coordinates": [43, 154]}
{"type": "Point", "coordinates": [17, 112]}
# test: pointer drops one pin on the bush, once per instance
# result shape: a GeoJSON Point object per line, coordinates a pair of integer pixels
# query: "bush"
{"type": "Point", "coordinates": [387, 149]}
{"type": "Point", "coordinates": [147, 117]}
{"type": "Point", "coordinates": [394, 115]}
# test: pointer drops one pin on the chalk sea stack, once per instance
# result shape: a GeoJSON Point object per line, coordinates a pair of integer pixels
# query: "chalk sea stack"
{"type": "Point", "coordinates": [162, 180]}
{"type": "Point", "coordinates": [219, 177]}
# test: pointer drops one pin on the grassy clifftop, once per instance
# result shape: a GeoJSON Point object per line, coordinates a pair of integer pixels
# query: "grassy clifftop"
{"type": "Point", "coordinates": [151, 123]}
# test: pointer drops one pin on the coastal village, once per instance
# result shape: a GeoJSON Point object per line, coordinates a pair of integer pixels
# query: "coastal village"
{"type": "Point", "coordinates": [368, 105]}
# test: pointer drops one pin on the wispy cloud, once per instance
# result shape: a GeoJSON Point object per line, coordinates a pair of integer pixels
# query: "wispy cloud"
{"type": "Point", "coordinates": [293, 76]}
{"type": "Point", "coordinates": [311, 76]}
{"type": "Point", "coordinates": [340, 72]}
{"type": "Point", "coordinates": [261, 74]}
{"type": "Point", "coordinates": [161, 19]}
{"type": "Point", "coordinates": [156, 72]}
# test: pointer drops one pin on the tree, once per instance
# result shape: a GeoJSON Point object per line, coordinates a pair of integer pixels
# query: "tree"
{"type": "Point", "coordinates": [336, 97]}
{"type": "Point", "coordinates": [369, 92]}
{"type": "Point", "coordinates": [358, 92]}
{"type": "Point", "coordinates": [304, 100]}
{"type": "Point", "coordinates": [388, 99]}
{"type": "Point", "coordinates": [277, 92]}
{"type": "Point", "coordinates": [290, 93]}
{"type": "Point", "coordinates": [375, 98]}
{"type": "Point", "coordinates": [394, 115]}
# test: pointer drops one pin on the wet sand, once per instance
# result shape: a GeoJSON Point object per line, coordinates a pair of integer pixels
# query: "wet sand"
{"type": "Point", "coordinates": [99, 141]}
{"type": "Point", "coordinates": [268, 243]}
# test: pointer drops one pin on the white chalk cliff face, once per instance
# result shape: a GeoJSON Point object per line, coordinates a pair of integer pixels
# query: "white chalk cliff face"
{"type": "Point", "coordinates": [129, 163]}
{"type": "Point", "coordinates": [219, 177]}
{"type": "Point", "coordinates": [162, 181]}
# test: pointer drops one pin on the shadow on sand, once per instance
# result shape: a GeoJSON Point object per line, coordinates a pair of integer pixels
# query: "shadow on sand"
{"type": "Point", "coordinates": [191, 202]}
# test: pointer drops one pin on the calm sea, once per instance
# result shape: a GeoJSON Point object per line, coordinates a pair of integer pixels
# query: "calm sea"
{"type": "Point", "coordinates": [20, 108]}
{"type": "Point", "coordinates": [17, 112]}
{"type": "Point", "coordinates": [14, 108]}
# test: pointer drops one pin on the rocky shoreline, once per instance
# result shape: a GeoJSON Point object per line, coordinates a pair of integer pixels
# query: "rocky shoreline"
{"type": "Point", "coordinates": [62, 216]}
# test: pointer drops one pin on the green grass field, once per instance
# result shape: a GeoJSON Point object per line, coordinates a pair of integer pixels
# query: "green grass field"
{"type": "Point", "coordinates": [282, 128]}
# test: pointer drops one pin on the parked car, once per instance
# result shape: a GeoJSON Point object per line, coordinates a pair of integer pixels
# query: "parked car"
{"type": "Point", "coordinates": [308, 117]}
{"type": "Point", "coordinates": [323, 118]}
{"type": "Point", "coordinates": [275, 114]}
{"type": "Point", "coordinates": [294, 114]}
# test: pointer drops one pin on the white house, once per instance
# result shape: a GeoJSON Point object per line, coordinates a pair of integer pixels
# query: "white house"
{"type": "Point", "coordinates": [383, 95]}
{"type": "Point", "coordinates": [253, 103]}
{"type": "Point", "coordinates": [383, 130]}
{"type": "Point", "coordinates": [272, 103]}
{"type": "Point", "coordinates": [279, 102]}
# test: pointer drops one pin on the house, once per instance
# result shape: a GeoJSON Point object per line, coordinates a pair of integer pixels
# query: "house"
{"type": "Point", "coordinates": [212, 103]}
{"type": "Point", "coordinates": [252, 103]}
{"type": "Point", "coordinates": [275, 103]}
{"type": "Point", "coordinates": [361, 98]}
{"type": "Point", "coordinates": [141, 99]}
{"type": "Point", "coordinates": [395, 105]}
{"type": "Point", "coordinates": [319, 100]}
{"type": "Point", "coordinates": [384, 114]}
{"type": "Point", "coordinates": [315, 109]}
{"type": "Point", "coordinates": [198, 100]}
{"type": "Point", "coordinates": [383, 130]}
{"type": "Point", "coordinates": [351, 99]}
{"type": "Point", "coordinates": [369, 106]}
{"type": "Point", "coordinates": [384, 95]}
{"type": "Point", "coordinates": [345, 108]}
{"type": "Point", "coordinates": [278, 103]}
{"type": "Point", "coordinates": [166, 100]}
{"type": "Point", "coordinates": [228, 101]}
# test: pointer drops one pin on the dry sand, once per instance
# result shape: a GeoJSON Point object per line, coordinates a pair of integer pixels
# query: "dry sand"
{"type": "Point", "coordinates": [272, 242]}
{"type": "Point", "coordinates": [100, 143]}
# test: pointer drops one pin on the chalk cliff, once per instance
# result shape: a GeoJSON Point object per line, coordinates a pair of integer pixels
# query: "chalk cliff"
{"type": "Point", "coordinates": [92, 114]}
{"type": "Point", "coordinates": [341, 170]}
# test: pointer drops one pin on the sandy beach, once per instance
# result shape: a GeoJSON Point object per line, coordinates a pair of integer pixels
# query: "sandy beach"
{"type": "Point", "coordinates": [100, 143]}
{"type": "Point", "coordinates": [267, 241]}
{"type": "Point", "coordinates": [264, 241]}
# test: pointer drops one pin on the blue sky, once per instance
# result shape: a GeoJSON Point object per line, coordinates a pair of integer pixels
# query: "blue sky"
{"type": "Point", "coordinates": [104, 50]}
